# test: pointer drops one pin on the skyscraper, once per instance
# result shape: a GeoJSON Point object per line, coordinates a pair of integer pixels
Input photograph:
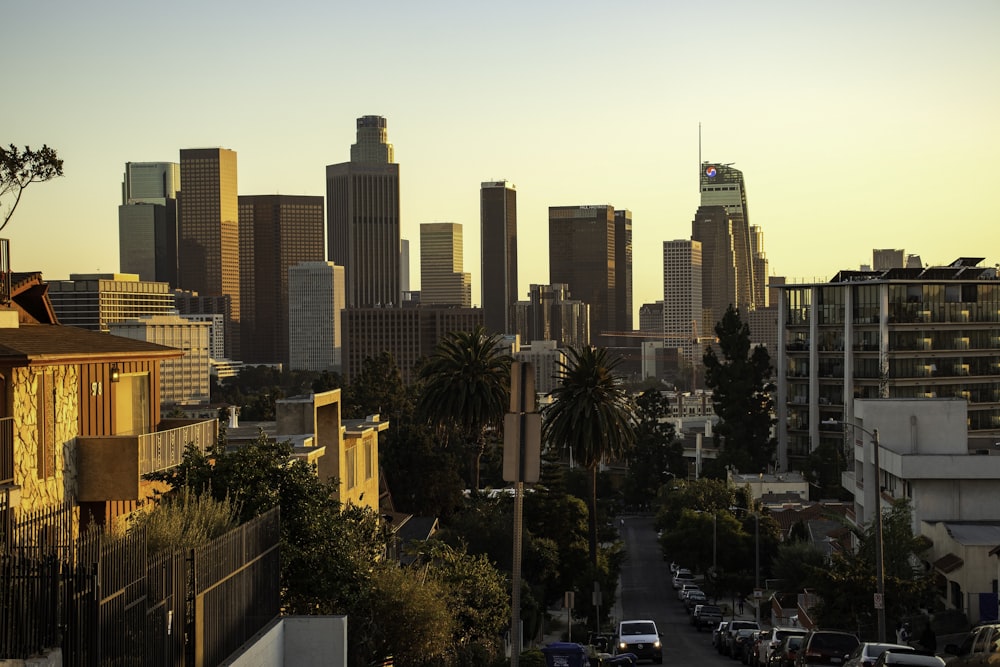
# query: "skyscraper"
{"type": "Point", "coordinates": [713, 229]}
{"type": "Point", "coordinates": [442, 280]}
{"type": "Point", "coordinates": [276, 233]}
{"type": "Point", "coordinates": [315, 306]}
{"type": "Point", "coordinates": [363, 225]}
{"type": "Point", "coordinates": [582, 251]}
{"type": "Point", "coordinates": [623, 269]}
{"type": "Point", "coordinates": [208, 243]}
{"type": "Point", "coordinates": [498, 235]}
{"type": "Point", "coordinates": [682, 296]}
{"type": "Point", "coordinates": [722, 185]}
{"type": "Point", "coordinates": [147, 221]}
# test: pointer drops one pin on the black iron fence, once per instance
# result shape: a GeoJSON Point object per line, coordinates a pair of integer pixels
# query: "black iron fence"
{"type": "Point", "coordinates": [105, 601]}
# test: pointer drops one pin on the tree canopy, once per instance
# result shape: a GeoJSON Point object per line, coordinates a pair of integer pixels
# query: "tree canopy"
{"type": "Point", "coordinates": [741, 386]}
{"type": "Point", "coordinates": [19, 169]}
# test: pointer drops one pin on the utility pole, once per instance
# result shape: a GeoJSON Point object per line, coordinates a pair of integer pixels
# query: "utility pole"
{"type": "Point", "coordinates": [522, 428]}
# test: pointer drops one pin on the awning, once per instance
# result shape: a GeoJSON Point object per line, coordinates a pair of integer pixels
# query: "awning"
{"type": "Point", "coordinates": [948, 563]}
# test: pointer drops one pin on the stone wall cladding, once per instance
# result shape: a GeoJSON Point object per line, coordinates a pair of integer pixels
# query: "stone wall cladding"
{"type": "Point", "coordinates": [37, 493]}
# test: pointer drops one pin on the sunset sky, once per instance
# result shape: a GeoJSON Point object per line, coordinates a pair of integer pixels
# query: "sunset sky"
{"type": "Point", "coordinates": [857, 125]}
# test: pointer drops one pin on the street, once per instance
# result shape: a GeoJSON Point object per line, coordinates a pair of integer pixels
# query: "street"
{"type": "Point", "coordinates": [647, 592]}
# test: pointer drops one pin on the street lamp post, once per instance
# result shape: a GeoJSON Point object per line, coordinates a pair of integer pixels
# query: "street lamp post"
{"type": "Point", "coordinates": [879, 555]}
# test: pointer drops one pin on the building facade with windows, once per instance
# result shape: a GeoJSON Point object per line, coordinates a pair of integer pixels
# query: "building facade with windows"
{"type": "Point", "coordinates": [443, 282]}
{"type": "Point", "coordinates": [362, 218]}
{"type": "Point", "coordinates": [147, 221]}
{"type": "Point", "coordinates": [498, 257]}
{"type": "Point", "coordinates": [97, 300]}
{"type": "Point", "coordinates": [315, 311]}
{"type": "Point", "coordinates": [276, 233]}
{"type": "Point", "coordinates": [208, 242]}
{"type": "Point", "coordinates": [897, 333]}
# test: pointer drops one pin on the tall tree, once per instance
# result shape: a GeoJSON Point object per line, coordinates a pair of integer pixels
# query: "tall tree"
{"type": "Point", "coordinates": [741, 386]}
{"type": "Point", "coordinates": [846, 585]}
{"type": "Point", "coordinates": [378, 389]}
{"type": "Point", "coordinates": [19, 169]}
{"type": "Point", "coordinates": [466, 385]}
{"type": "Point", "coordinates": [657, 456]}
{"type": "Point", "coordinates": [592, 415]}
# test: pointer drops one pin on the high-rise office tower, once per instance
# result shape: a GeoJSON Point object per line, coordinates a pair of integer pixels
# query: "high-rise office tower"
{"type": "Point", "coordinates": [722, 185]}
{"type": "Point", "coordinates": [147, 221]}
{"type": "Point", "coordinates": [315, 306]}
{"type": "Point", "coordinates": [550, 314]}
{"type": "Point", "coordinates": [363, 225]}
{"type": "Point", "coordinates": [682, 297]}
{"type": "Point", "coordinates": [276, 233]}
{"type": "Point", "coordinates": [208, 241]}
{"type": "Point", "coordinates": [623, 268]}
{"type": "Point", "coordinates": [498, 235]}
{"type": "Point", "coordinates": [713, 229]}
{"type": "Point", "coordinates": [442, 281]}
{"type": "Point", "coordinates": [758, 263]}
{"type": "Point", "coordinates": [582, 252]}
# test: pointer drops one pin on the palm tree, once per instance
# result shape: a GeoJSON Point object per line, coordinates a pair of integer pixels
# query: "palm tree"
{"type": "Point", "coordinates": [592, 414]}
{"type": "Point", "coordinates": [466, 385]}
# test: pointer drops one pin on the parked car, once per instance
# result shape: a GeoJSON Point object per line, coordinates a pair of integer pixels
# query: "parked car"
{"type": "Point", "coordinates": [777, 634]}
{"type": "Point", "coordinates": [981, 647]}
{"type": "Point", "coordinates": [731, 632]}
{"type": "Point", "coordinates": [682, 577]}
{"type": "Point", "coordinates": [895, 657]}
{"type": "Point", "coordinates": [641, 638]}
{"type": "Point", "coordinates": [743, 644]}
{"type": "Point", "coordinates": [760, 646]}
{"type": "Point", "coordinates": [706, 616]}
{"type": "Point", "coordinates": [719, 635]}
{"type": "Point", "coordinates": [685, 588]}
{"type": "Point", "coordinates": [787, 651]}
{"type": "Point", "coordinates": [826, 647]}
{"type": "Point", "coordinates": [867, 653]}
{"type": "Point", "coordinates": [693, 598]}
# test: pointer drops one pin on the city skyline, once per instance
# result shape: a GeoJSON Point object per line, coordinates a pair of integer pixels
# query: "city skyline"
{"type": "Point", "coordinates": [856, 127]}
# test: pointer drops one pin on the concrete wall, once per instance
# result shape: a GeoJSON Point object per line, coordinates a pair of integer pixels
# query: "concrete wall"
{"type": "Point", "coordinates": [299, 641]}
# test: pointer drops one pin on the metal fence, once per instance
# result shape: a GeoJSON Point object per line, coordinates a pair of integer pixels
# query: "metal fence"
{"type": "Point", "coordinates": [105, 601]}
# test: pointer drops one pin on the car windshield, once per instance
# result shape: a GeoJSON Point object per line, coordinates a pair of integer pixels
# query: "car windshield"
{"type": "Point", "coordinates": [638, 629]}
{"type": "Point", "coordinates": [833, 642]}
{"type": "Point", "coordinates": [794, 642]}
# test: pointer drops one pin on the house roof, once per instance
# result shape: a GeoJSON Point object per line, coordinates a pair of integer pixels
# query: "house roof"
{"type": "Point", "coordinates": [974, 533]}
{"type": "Point", "coordinates": [33, 344]}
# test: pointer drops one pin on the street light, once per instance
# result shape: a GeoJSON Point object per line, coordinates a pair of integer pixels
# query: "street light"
{"type": "Point", "coordinates": [756, 559]}
{"type": "Point", "coordinates": [879, 556]}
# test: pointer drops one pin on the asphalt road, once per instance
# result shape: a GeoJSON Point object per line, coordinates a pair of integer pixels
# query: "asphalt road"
{"type": "Point", "coordinates": [647, 592]}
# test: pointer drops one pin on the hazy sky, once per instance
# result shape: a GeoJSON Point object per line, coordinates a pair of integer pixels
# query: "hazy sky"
{"type": "Point", "coordinates": [857, 125]}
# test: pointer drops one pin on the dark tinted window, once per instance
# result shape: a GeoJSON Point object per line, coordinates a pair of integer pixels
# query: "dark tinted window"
{"type": "Point", "coordinates": [638, 629]}
{"type": "Point", "coordinates": [822, 641]}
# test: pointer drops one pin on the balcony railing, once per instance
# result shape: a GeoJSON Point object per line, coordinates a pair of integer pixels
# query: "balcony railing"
{"type": "Point", "coordinates": [112, 467]}
{"type": "Point", "coordinates": [164, 449]}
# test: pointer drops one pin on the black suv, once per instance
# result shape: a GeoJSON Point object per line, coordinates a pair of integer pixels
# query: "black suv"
{"type": "Point", "coordinates": [826, 647]}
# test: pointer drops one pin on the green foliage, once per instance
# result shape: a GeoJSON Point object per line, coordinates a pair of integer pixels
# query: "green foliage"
{"type": "Point", "coordinates": [846, 585]}
{"type": "Point", "coordinates": [706, 495]}
{"type": "Point", "coordinates": [466, 388]}
{"type": "Point", "coordinates": [742, 397]}
{"type": "Point", "coordinates": [823, 468]}
{"type": "Point", "coordinates": [592, 415]}
{"type": "Point", "coordinates": [404, 616]}
{"type": "Point", "coordinates": [423, 476]}
{"type": "Point", "coordinates": [185, 521]}
{"type": "Point", "coordinates": [658, 455]}
{"type": "Point", "coordinates": [19, 169]}
{"type": "Point", "coordinates": [327, 551]}
{"type": "Point", "coordinates": [798, 564]}
{"type": "Point", "coordinates": [378, 389]}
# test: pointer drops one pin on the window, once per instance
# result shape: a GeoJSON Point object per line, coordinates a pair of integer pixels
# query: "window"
{"type": "Point", "coordinates": [369, 459]}
{"type": "Point", "coordinates": [350, 462]}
